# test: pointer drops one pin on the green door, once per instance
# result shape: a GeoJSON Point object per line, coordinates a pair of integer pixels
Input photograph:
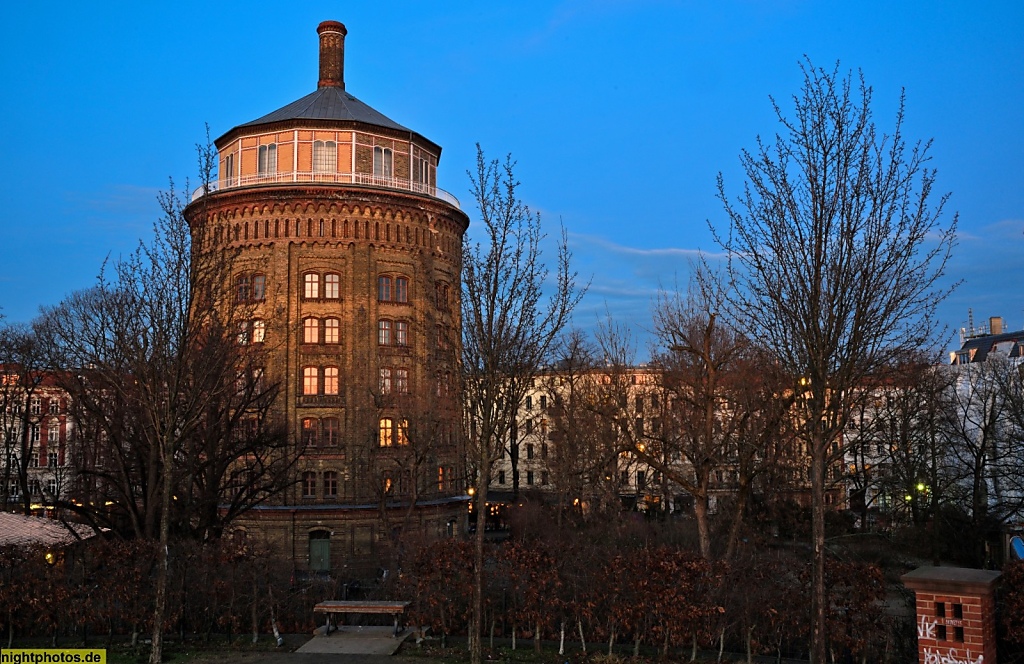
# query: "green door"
{"type": "Point", "coordinates": [320, 551]}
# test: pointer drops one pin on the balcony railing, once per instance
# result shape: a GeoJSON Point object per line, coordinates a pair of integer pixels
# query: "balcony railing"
{"type": "Point", "coordinates": [363, 179]}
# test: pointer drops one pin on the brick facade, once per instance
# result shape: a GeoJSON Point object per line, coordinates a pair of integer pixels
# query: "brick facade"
{"type": "Point", "coordinates": [350, 313]}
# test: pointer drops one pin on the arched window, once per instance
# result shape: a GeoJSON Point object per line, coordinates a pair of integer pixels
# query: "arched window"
{"type": "Point", "coordinates": [325, 157]}
{"type": "Point", "coordinates": [387, 432]}
{"type": "Point", "coordinates": [311, 283]}
{"type": "Point", "coordinates": [331, 380]}
{"type": "Point", "coordinates": [384, 288]}
{"type": "Point", "coordinates": [309, 432]}
{"type": "Point", "coordinates": [310, 381]}
{"type": "Point", "coordinates": [383, 160]}
{"type": "Point", "coordinates": [330, 484]}
{"type": "Point", "coordinates": [259, 287]}
{"type": "Point", "coordinates": [267, 159]}
{"type": "Point", "coordinates": [332, 285]}
{"type": "Point", "coordinates": [259, 331]}
{"type": "Point", "coordinates": [385, 380]}
{"type": "Point", "coordinates": [242, 288]}
{"type": "Point", "coordinates": [332, 331]}
{"type": "Point", "coordinates": [329, 431]}
{"type": "Point", "coordinates": [310, 331]}
{"type": "Point", "coordinates": [309, 484]}
{"type": "Point", "coordinates": [402, 433]}
{"type": "Point", "coordinates": [384, 332]}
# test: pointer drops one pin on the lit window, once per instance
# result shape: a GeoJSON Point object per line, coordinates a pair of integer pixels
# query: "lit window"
{"type": "Point", "coordinates": [383, 160]}
{"type": "Point", "coordinates": [329, 431]}
{"type": "Point", "coordinates": [332, 330]}
{"type": "Point", "coordinates": [259, 286]}
{"type": "Point", "coordinates": [386, 432]}
{"type": "Point", "coordinates": [385, 380]}
{"type": "Point", "coordinates": [309, 431]}
{"type": "Point", "coordinates": [330, 380]}
{"type": "Point", "coordinates": [268, 159]}
{"type": "Point", "coordinates": [310, 380]}
{"type": "Point", "coordinates": [325, 156]}
{"type": "Point", "coordinates": [332, 285]}
{"type": "Point", "coordinates": [402, 381]}
{"type": "Point", "coordinates": [384, 289]}
{"type": "Point", "coordinates": [259, 331]}
{"type": "Point", "coordinates": [401, 289]}
{"type": "Point", "coordinates": [308, 484]}
{"type": "Point", "coordinates": [401, 333]}
{"type": "Point", "coordinates": [330, 484]}
{"type": "Point", "coordinates": [310, 331]}
{"type": "Point", "coordinates": [440, 478]}
{"type": "Point", "coordinates": [384, 332]}
{"type": "Point", "coordinates": [311, 282]}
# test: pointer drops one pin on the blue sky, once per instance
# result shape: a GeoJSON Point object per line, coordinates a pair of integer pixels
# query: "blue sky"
{"type": "Point", "coordinates": [620, 114]}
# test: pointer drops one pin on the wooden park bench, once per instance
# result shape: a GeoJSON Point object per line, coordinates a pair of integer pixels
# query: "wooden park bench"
{"type": "Point", "coordinates": [396, 609]}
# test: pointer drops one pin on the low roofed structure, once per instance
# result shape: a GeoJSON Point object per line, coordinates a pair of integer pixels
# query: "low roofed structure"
{"type": "Point", "coordinates": [21, 530]}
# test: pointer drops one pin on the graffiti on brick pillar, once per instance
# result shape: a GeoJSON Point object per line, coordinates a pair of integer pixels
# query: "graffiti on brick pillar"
{"type": "Point", "coordinates": [951, 656]}
{"type": "Point", "coordinates": [926, 629]}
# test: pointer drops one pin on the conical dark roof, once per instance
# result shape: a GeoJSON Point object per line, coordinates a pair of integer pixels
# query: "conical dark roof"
{"type": "Point", "coordinates": [328, 103]}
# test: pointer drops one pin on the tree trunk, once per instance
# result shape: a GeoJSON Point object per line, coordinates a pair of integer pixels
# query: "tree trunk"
{"type": "Point", "coordinates": [476, 615]}
{"type": "Point", "coordinates": [163, 555]}
{"type": "Point", "coordinates": [818, 607]}
{"type": "Point", "coordinates": [583, 641]}
{"type": "Point", "coordinates": [536, 637]}
{"type": "Point", "coordinates": [737, 519]}
{"type": "Point", "coordinates": [700, 511]}
{"type": "Point", "coordinates": [561, 638]}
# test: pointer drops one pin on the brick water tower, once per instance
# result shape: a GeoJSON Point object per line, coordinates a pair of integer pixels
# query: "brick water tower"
{"type": "Point", "coordinates": [348, 257]}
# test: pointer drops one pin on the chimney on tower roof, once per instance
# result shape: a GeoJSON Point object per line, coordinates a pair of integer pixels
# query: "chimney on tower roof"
{"type": "Point", "coordinates": [332, 54]}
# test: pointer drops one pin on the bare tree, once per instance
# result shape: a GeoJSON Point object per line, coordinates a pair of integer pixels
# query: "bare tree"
{"type": "Point", "coordinates": [837, 249]}
{"type": "Point", "coordinates": [581, 462]}
{"type": "Point", "coordinates": [21, 377]}
{"type": "Point", "coordinates": [983, 444]}
{"type": "Point", "coordinates": [170, 383]}
{"type": "Point", "coordinates": [511, 319]}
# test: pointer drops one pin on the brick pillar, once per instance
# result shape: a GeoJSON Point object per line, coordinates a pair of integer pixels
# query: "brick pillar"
{"type": "Point", "coordinates": [956, 614]}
